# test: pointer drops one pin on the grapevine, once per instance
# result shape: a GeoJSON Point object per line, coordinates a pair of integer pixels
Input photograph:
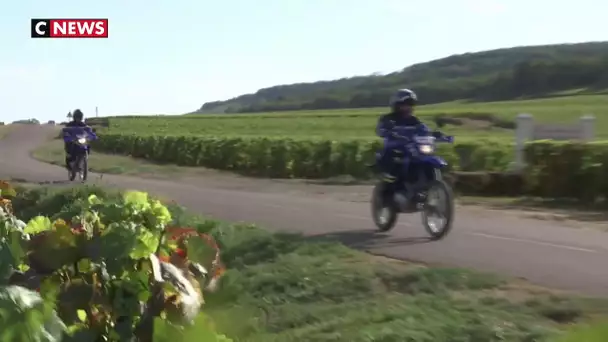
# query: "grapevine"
{"type": "Point", "coordinates": [115, 271]}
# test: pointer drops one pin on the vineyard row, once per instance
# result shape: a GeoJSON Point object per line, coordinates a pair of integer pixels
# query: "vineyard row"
{"type": "Point", "coordinates": [554, 169]}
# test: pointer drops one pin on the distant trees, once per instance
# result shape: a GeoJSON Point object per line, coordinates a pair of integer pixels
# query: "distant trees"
{"type": "Point", "coordinates": [27, 122]}
{"type": "Point", "coordinates": [486, 76]}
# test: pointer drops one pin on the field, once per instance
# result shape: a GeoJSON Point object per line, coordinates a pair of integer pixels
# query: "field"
{"type": "Point", "coordinates": [346, 124]}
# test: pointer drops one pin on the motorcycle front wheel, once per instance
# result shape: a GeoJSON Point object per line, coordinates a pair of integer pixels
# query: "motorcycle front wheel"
{"type": "Point", "coordinates": [384, 212]}
{"type": "Point", "coordinates": [79, 168]}
{"type": "Point", "coordinates": [438, 210]}
{"type": "Point", "coordinates": [83, 166]}
{"type": "Point", "coordinates": [71, 175]}
{"type": "Point", "coordinates": [72, 171]}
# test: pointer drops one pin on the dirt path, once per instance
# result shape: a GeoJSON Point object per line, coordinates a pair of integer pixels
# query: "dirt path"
{"type": "Point", "coordinates": [545, 252]}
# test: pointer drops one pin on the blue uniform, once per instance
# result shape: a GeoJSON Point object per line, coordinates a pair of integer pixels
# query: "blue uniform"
{"type": "Point", "coordinates": [68, 147]}
{"type": "Point", "coordinates": [396, 130]}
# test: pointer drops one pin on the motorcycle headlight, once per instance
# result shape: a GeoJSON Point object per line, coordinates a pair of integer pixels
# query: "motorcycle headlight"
{"type": "Point", "coordinates": [426, 149]}
{"type": "Point", "coordinates": [82, 141]}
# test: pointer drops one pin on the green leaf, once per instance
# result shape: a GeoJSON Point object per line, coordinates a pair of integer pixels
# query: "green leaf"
{"type": "Point", "coordinates": [16, 245]}
{"type": "Point", "coordinates": [82, 315]}
{"type": "Point", "coordinates": [84, 265]}
{"type": "Point", "coordinates": [160, 212]}
{"type": "Point", "coordinates": [37, 225]}
{"type": "Point", "coordinates": [137, 199]}
{"type": "Point", "coordinates": [7, 262]}
{"type": "Point", "coordinates": [147, 243]}
{"type": "Point", "coordinates": [79, 332]}
{"type": "Point", "coordinates": [138, 285]}
{"type": "Point", "coordinates": [50, 289]}
{"type": "Point", "coordinates": [29, 318]}
{"type": "Point", "coordinates": [117, 242]}
{"type": "Point", "coordinates": [93, 200]}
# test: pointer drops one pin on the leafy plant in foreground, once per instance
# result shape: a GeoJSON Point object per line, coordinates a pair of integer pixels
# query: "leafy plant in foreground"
{"type": "Point", "coordinates": [112, 272]}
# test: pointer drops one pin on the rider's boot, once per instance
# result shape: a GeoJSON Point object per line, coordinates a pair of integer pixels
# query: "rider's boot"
{"type": "Point", "coordinates": [392, 190]}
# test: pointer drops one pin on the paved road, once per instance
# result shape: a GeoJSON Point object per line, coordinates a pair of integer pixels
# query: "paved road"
{"type": "Point", "coordinates": [540, 251]}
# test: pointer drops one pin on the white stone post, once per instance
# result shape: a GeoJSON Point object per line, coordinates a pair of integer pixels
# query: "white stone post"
{"type": "Point", "coordinates": [587, 128]}
{"type": "Point", "coordinates": [523, 132]}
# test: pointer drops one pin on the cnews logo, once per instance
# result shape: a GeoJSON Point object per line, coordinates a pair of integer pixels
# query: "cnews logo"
{"type": "Point", "coordinates": [69, 28]}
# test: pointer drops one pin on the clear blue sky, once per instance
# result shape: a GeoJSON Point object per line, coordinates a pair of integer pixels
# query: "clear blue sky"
{"type": "Point", "coordinates": [171, 56]}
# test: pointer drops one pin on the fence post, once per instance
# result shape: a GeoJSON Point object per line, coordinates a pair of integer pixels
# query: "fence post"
{"type": "Point", "coordinates": [587, 127]}
{"type": "Point", "coordinates": [523, 132]}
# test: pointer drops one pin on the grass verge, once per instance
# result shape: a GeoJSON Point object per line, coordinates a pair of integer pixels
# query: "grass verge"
{"type": "Point", "coordinates": [287, 288]}
{"type": "Point", "coordinates": [543, 208]}
{"type": "Point", "coordinates": [53, 153]}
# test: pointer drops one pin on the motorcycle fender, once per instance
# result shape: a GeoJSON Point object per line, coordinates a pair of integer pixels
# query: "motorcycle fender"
{"type": "Point", "coordinates": [435, 161]}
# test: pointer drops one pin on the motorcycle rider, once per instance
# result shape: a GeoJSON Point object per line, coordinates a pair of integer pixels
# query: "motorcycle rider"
{"type": "Point", "coordinates": [77, 121]}
{"type": "Point", "coordinates": [396, 128]}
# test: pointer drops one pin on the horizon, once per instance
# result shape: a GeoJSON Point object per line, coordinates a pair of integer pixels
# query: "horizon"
{"type": "Point", "coordinates": [154, 62]}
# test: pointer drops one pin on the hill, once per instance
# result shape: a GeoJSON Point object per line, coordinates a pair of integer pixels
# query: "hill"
{"type": "Point", "coordinates": [503, 74]}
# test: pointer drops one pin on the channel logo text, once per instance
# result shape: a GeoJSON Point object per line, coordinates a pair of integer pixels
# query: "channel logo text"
{"type": "Point", "coordinates": [69, 28]}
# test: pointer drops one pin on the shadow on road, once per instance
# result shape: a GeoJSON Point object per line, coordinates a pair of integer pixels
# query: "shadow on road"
{"type": "Point", "coordinates": [366, 239]}
{"type": "Point", "coordinates": [54, 182]}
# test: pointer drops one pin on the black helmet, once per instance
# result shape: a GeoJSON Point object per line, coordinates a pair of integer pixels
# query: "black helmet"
{"type": "Point", "coordinates": [403, 96]}
{"type": "Point", "coordinates": [77, 115]}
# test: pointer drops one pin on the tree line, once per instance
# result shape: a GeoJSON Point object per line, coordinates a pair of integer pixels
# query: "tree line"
{"type": "Point", "coordinates": [27, 122]}
{"type": "Point", "coordinates": [523, 72]}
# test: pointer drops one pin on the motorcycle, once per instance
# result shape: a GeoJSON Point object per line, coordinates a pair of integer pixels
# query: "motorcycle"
{"type": "Point", "coordinates": [428, 194]}
{"type": "Point", "coordinates": [79, 138]}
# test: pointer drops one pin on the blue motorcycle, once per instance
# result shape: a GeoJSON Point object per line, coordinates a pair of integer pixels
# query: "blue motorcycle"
{"type": "Point", "coordinates": [78, 139]}
{"type": "Point", "coordinates": [419, 187]}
